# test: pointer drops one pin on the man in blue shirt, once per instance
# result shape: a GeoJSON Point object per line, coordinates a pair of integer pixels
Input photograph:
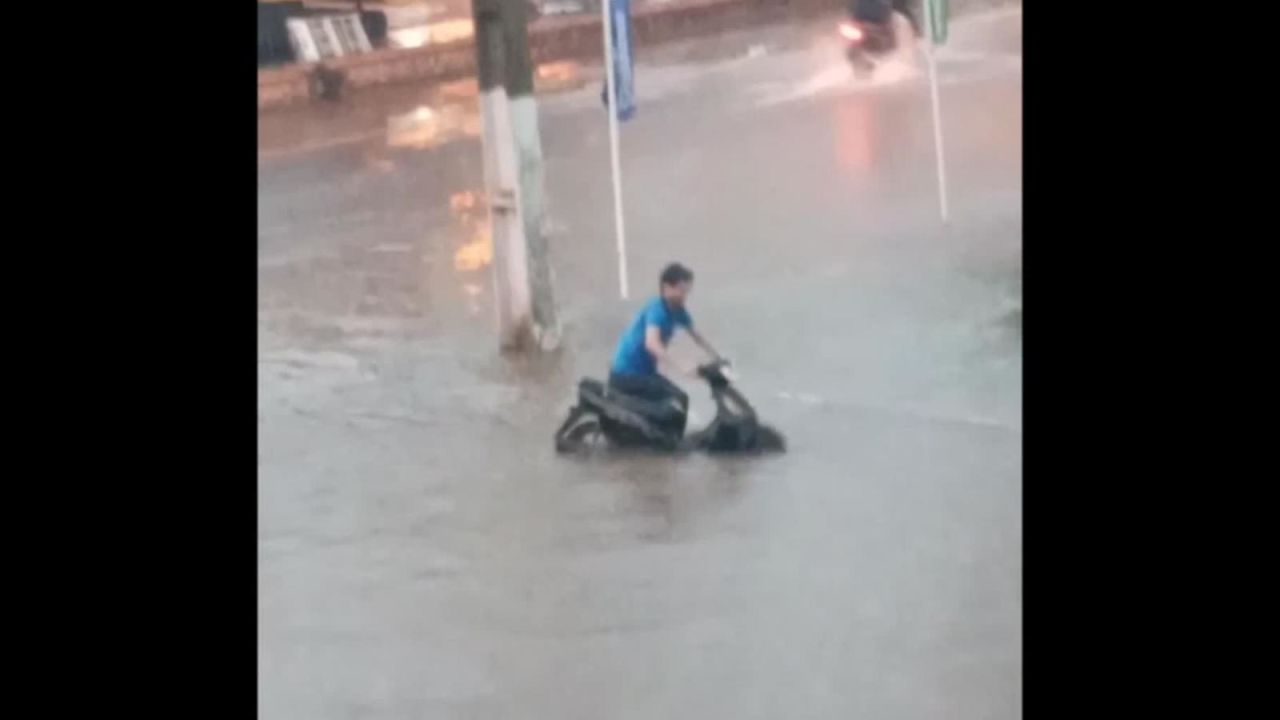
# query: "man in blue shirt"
{"type": "Point", "coordinates": [644, 343]}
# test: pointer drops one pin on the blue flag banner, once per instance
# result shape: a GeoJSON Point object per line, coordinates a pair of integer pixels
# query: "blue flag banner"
{"type": "Point", "coordinates": [623, 59]}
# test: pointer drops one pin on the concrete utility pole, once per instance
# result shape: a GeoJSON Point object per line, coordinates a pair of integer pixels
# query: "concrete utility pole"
{"type": "Point", "coordinates": [528, 140]}
{"type": "Point", "coordinates": [513, 171]}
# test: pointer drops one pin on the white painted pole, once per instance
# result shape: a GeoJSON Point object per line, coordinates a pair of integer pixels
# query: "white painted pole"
{"type": "Point", "coordinates": [510, 258]}
{"type": "Point", "coordinates": [937, 110]}
{"type": "Point", "coordinates": [606, 12]}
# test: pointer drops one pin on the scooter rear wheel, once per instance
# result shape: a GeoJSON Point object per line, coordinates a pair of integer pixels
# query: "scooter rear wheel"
{"type": "Point", "coordinates": [581, 434]}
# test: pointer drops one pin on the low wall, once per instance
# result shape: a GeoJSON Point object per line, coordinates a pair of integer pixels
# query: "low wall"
{"type": "Point", "coordinates": [550, 39]}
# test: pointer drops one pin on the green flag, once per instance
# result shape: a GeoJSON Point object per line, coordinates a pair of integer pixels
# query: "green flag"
{"type": "Point", "coordinates": [938, 11]}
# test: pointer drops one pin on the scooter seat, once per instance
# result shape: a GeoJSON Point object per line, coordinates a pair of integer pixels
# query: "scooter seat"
{"type": "Point", "coordinates": [595, 394]}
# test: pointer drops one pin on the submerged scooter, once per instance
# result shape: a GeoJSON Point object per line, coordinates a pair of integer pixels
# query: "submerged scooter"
{"type": "Point", "coordinates": [605, 416]}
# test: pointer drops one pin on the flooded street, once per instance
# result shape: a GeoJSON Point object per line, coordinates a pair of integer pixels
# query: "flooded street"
{"type": "Point", "coordinates": [423, 553]}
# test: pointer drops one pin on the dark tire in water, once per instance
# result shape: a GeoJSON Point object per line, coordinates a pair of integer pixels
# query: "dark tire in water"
{"type": "Point", "coordinates": [582, 433]}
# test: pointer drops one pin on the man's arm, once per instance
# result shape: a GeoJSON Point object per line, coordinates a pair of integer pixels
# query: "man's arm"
{"type": "Point", "coordinates": [653, 343]}
{"type": "Point", "coordinates": [702, 343]}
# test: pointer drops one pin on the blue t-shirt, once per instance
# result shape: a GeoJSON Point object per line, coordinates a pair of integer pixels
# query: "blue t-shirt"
{"type": "Point", "coordinates": [632, 358]}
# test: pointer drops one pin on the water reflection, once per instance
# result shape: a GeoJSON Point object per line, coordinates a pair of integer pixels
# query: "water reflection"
{"type": "Point", "coordinates": [431, 34]}
{"type": "Point", "coordinates": [450, 111]}
{"type": "Point", "coordinates": [476, 251]}
{"type": "Point", "coordinates": [423, 118]}
{"type": "Point", "coordinates": [855, 132]}
{"type": "Point", "coordinates": [559, 76]}
{"type": "Point", "coordinates": [426, 127]}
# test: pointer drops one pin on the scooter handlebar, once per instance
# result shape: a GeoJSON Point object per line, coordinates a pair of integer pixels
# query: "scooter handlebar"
{"type": "Point", "coordinates": [713, 366]}
{"type": "Point", "coordinates": [714, 371]}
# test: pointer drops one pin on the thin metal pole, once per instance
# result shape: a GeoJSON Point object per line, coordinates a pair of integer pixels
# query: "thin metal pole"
{"type": "Point", "coordinates": [937, 111]}
{"type": "Point", "coordinates": [606, 12]}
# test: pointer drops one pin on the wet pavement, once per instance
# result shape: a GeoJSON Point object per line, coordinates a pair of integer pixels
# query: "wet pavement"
{"type": "Point", "coordinates": [424, 554]}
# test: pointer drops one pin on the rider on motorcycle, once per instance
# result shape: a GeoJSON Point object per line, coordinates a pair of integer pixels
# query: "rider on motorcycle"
{"type": "Point", "coordinates": [878, 12]}
{"type": "Point", "coordinates": [644, 343]}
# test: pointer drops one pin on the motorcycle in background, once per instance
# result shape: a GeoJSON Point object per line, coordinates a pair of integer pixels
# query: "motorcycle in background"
{"type": "Point", "coordinates": [875, 32]}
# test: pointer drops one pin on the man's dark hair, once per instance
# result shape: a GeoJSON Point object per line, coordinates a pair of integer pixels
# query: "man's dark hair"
{"type": "Point", "coordinates": [674, 274]}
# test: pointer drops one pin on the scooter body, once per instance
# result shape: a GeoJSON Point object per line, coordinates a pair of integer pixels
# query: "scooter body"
{"type": "Point", "coordinates": [605, 416]}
